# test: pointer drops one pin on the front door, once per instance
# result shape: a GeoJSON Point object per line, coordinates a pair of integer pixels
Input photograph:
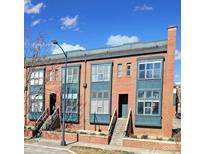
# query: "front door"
{"type": "Point", "coordinates": [52, 103]}
{"type": "Point", "coordinates": [123, 105]}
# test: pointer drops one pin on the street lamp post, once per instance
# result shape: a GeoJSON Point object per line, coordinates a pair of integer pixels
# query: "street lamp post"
{"type": "Point", "coordinates": [63, 143]}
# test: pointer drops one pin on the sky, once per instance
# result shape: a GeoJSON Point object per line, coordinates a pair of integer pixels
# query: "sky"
{"type": "Point", "coordinates": [87, 24]}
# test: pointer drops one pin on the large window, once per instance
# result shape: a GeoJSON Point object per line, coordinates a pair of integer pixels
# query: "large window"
{"type": "Point", "coordinates": [36, 78]}
{"type": "Point", "coordinates": [36, 103]}
{"type": "Point", "coordinates": [148, 102]}
{"type": "Point", "coordinates": [149, 70]}
{"type": "Point", "coordinates": [100, 102]}
{"type": "Point", "coordinates": [71, 103]}
{"type": "Point", "coordinates": [101, 72]}
{"type": "Point", "coordinates": [72, 75]}
{"type": "Point", "coordinates": [128, 69]}
{"type": "Point", "coordinates": [119, 70]}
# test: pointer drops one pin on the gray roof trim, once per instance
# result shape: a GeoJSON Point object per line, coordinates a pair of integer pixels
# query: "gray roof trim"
{"type": "Point", "coordinates": [103, 53]}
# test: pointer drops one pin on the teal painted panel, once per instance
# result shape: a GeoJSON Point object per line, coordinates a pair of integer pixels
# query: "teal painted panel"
{"type": "Point", "coordinates": [174, 99]}
{"type": "Point", "coordinates": [100, 118]}
{"type": "Point", "coordinates": [70, 117]}
{"type": "Point", "coordinates": [124, 110]}
{"type": "Point", "coordinates": [145, 120]}
{"type": "Point", "coordinates": [36, 89]}
{"type": "Point", "coordinates": [100, 86]}
{"type": "Point", "coordinates": [71, 88]}
{"type": "Point", "coordinates": [34, 115]}
{"type": "Point", "coordinates": [149, 84]}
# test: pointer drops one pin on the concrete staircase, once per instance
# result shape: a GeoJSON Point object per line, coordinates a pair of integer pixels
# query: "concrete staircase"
{"type": "Point", "coordinates": [118, 132]}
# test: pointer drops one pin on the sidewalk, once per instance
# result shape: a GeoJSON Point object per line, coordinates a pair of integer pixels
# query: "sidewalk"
{"type": "Point", "coordinates": [56, 144]}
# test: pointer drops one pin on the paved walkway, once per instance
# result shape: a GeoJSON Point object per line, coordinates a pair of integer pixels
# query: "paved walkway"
{"type": "Point", "coordinates": [56, 144]}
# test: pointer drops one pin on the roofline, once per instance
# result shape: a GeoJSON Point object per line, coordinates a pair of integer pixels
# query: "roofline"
{"type": "Point", "coordinates": [125, 50]}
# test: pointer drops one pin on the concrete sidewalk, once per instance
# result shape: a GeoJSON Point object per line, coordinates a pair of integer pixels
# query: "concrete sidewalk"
{"type": "Point", "coordinates": [56, 144]}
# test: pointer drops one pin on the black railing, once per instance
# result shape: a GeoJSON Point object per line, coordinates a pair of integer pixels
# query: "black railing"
{"type": "Point", "coordinates": [112, 124]}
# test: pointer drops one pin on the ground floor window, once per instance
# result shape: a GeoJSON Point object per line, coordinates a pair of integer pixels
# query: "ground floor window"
{"type": "Point", "coordinates": [36, 103]}
{"type": "Point", "coordinates": [148, 107]}
{"type": "Point", "coordinates": [100, 102]}
{"type": "Point", "coordinates": [71, 101]}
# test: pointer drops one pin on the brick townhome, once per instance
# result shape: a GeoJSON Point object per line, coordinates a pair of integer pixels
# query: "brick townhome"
{"type": "Point", "coordinates": [135, 77]}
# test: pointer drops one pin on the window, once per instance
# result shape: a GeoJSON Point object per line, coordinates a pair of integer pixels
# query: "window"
{"type": "Point", "coordinates": [100, 102]}
{"type": "Point", "coordinates": [56, 74]}
{"type": "Point", "coordinates": [36, 103]}
{"type": "Point", "coordinates": [148, 102]}
{"type": "Point", "coordinates": [50, 75]}
{"type": "Point", "coordinates": [101, 72]}
{"type": "Point", "coordinates": [36, 78]}
{"type": "Point", "coordinates": [119, 70]}
{"type": "Point", "coordinates": [71, 100]}
{"type": "Point", "coordinates": [72, 75]}
{"type": "Point", "coordinates": [128, 69]}
{"type": "Point", "coordinates": [149, 70]}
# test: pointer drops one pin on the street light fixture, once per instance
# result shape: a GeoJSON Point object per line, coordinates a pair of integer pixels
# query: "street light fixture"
{"type": "Point", "coordinates": [63, 143]}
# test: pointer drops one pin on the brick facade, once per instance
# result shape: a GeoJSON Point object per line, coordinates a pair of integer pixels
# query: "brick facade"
{"type": "Point", "coordinates": [120, 85]}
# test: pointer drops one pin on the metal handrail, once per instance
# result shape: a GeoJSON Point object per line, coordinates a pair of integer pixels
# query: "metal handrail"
{"type": "Point", "coordinates": [111, 121]}
{"type": "Point", "coordinates": [53, 117]}
{"type": "Point", "coordinates": [127, 122]}
{"type": "Point", "coordinates": [42, 115]}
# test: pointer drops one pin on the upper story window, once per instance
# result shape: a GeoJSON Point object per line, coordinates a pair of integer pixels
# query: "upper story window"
{"type": "Point", "coordinates": [149, 70]}
{"type": "Point", "coordinates": [56, 74]}
{"type": "Point", "coordinates": [50, 74]}
{"type": "Point", "coordinates": [119, 70]}
{"type": "Point", "coordinates": [128, 69]}
{"type": "Point", "coordinates": [36, 78]}
{"type": "Point", "coordinates": [72, 75]}
{"type": "Point", "coordinates": [101, 72]}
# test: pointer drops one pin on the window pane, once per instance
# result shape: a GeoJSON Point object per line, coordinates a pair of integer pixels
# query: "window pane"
{"type": "Point", "coordinates": [148, 94]}
{"type": "Point", "coordinates": [32, 81]}
{"type": "Point", "coordinates": [32, 75]}
{"type": "Point", "coordinates": [142, 67]}
{"type": "Point", "coordinates": [149, 74]}
{"type": "Point", "coordinates": [119, 69]}
{"type": "Point", "coordinates": [155, 107]}
{"type": "Point", "coordinates": [99, 110]}
{"type": "Point", "coordinates": [140, 107]}
{"type": "Point", "coordinates": [147, 104]}
{"type": "Point", "coordinates": [56, 74]}
{"type": "Point", "coordinates": [40, 81]}
{"type": "Point", "coordinates": [106, 95]}
{"type": "Point", "coordinates": [100, 103]}
{"type": "Point", "coordinates": [99, 95]}
{"type": "Point", "coordinates": [156, 94]}
{"type": "Point", "coordinates": [157, 73]}
{"type": "Point", "coordinates": [149, 66]}
{"type": "Point", "coordinates": [157, 65]}
{"type": "Point", "coordinates": [128, 69]}
{"type": "Point", "coordinates": [142, 74]}
{"type": "Point", "coordinates": [40, 74]}
{"type": "Point", "coordinates": [94, 95]}
{"type": "Point", "coordinates": [147, 110]}
{"type": "Point", "coordinates": [140, 94]}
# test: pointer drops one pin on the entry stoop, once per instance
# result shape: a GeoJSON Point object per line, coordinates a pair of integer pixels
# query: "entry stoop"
{"type": "Point", "coordinates": [118, 132]}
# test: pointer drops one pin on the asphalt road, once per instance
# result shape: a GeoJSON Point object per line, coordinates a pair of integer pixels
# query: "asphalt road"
{"type": "Point", "coordinates": [33, 149]}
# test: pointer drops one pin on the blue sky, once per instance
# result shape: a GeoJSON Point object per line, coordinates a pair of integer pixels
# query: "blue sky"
{"type": "Point", "coordinates": [85, 24]}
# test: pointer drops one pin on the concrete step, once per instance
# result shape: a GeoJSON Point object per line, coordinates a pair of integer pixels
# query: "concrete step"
{"type": "Point", "coordinates": [118, 132]}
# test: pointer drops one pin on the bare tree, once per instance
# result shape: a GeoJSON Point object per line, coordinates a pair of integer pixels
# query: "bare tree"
{"type": "Point", "coordinates": [32, 51]}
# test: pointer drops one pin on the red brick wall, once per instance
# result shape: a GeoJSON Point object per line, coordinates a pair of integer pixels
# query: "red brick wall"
{"type": "Point", "coordinates": [154, 145]}
{"type": "Point", "coordinates": [122, 85]}
{"type": "Point", "coordinates": [93, 139]}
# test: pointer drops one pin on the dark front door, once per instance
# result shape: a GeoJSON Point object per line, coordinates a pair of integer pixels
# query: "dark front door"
{"type": "Point", "coordinates": [52, 103]}
{"type": "Point", "coordinates": [123, 105]}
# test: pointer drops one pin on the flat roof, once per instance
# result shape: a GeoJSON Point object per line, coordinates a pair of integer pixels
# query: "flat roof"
{"type": "Point", "coordinates": [129, 49]}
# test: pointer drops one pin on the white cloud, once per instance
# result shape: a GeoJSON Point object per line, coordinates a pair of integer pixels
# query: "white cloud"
{"type": "Point", "coordinates": [69, 22]}
{"type": "Point", "coordinates": [29, 8]}
{"type": "Point", "coordinates": [177, 54]}
{"type": "Point", "coordinates": [115, 40]}
{"type": "Point", "coordinates": [66, 47]}
{"type": "Point", "coordinates": [144, 8]}
{"type": "Point", "coordinates": [35, 22]}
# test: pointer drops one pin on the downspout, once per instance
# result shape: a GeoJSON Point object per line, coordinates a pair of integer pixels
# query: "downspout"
{"type": "Point", "coordinates": [84, 86]}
